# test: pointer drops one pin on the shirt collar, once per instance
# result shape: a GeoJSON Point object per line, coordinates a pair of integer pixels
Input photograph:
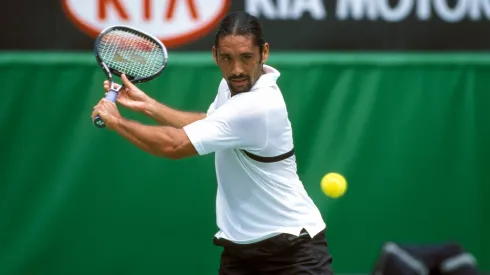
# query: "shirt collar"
{"type": "Point", "coordinates": [267, 79]}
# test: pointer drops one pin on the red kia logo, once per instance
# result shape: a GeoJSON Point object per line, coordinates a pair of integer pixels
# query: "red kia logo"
{"type": "Point", "coordinates": [174, 22]}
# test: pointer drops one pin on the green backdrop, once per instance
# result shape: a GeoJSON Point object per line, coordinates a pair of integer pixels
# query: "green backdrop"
{"type": "Point", "coordinates": [410, 132]}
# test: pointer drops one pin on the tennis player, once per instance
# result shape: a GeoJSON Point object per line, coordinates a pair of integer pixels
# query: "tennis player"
{"type": "Point", "coordinates": [267, 222]}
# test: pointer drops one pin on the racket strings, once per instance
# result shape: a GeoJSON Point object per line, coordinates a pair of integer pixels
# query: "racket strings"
{"type": "Point", "coordinates": [132, 54]}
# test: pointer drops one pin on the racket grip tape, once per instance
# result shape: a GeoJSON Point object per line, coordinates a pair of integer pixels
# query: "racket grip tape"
{"type": "Point", "coordinates": [112, 96]}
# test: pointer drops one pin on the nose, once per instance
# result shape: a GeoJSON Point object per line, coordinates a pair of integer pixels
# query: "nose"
{"type": "Point", "coordinates": [237, 68]}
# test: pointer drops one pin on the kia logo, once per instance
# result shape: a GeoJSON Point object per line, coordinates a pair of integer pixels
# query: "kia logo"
{"type": "Point", "coordinates": [174, 22]}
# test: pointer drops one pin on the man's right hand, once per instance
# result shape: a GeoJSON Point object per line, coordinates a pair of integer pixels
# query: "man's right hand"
{"type": "Point", "coordinates": [130, 96]}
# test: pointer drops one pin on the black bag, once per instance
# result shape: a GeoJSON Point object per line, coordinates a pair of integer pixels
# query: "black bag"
{"type": "Point", "coordinates": [443, 259]}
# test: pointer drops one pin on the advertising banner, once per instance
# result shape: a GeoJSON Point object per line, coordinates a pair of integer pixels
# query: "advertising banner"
{"type": "Point", "coordinates": [290, 25]}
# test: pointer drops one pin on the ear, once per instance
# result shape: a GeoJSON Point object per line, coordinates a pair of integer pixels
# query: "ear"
{"type": "Point", "coordinates": [215, 55]}
{"type": "Point", "coordinates": [265, 53]}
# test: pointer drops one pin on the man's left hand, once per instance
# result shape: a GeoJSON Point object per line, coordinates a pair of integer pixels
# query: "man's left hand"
{"type": "Point", "coordinates": [108, 112]}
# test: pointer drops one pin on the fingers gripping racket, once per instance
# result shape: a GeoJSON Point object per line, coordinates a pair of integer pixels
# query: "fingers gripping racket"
{"type": "Point", "coordinates": [125, 50]}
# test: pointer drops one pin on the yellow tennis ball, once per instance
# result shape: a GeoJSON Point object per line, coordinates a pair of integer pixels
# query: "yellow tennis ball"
{"type": "Point", "coordinates": [333, 185]}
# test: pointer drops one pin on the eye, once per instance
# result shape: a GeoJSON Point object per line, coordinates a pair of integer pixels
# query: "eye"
{"type": "Point", "coordinates": [246, 59]}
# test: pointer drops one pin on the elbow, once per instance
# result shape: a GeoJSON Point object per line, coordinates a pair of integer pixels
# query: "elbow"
{"type": "Point", "coordinates": [170, 152]}
{"type": "Point", "coordinates": [171, 146]}
{"type": "Point", "coordinates": [173, 155]}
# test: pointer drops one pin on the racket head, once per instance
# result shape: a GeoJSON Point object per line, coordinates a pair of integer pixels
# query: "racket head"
{"type": "Point", "coordinates": [126, 50]}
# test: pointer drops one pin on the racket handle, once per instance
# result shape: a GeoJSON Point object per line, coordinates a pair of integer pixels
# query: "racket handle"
{"type": "Point", "coordinates": [112, 96]}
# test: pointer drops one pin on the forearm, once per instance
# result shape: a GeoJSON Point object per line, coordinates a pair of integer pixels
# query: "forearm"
{"type": "Point", "coordinates": [155, 140]}
{"type": "Point", "coordinates": [168, 116]}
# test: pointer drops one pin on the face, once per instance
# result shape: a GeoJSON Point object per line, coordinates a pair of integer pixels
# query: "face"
{"type": "Point", "coordinates": [240, 61]}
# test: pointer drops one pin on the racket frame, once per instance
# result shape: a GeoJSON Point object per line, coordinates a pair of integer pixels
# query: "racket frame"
{"type": "Point", "coordinates": [133, 79]}
{"type": "Point", "coordinates": [113, 92]}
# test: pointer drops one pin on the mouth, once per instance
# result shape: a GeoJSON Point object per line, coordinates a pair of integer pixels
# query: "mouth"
{"type": "Point", "coordinates": [239, 82]}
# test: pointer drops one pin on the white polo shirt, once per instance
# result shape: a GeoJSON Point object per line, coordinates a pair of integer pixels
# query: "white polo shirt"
{"type": "Point", "coordinates": [255, 200]}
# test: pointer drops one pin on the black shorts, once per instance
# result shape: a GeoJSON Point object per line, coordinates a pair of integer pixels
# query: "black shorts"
{"type": "Point", "coordinates": [283, 254]}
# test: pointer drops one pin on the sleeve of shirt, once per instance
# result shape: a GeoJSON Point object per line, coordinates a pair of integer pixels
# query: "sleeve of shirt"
{"type": "Point", "coordinates": [237, 124]}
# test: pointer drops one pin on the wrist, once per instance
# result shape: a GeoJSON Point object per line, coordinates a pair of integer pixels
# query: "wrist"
{"type": "Point", "coordinates": [150, 108]}
{"type": "Point", "coordinates": [114, 123]}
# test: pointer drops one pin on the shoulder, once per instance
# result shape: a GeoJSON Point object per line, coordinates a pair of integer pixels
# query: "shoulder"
{"type": "Point", "coordinates": [223, 86]}
{"type": "Point", "coordinates": [261, 98]}
{"type": "Point", "coordinates": [271, 97]}
{"type": "Point", "coordinates": [223, 91]}
{"type": "Point", "coordinates": [246, 105]}
{"type": "Point", "coordinates": [241, 109]}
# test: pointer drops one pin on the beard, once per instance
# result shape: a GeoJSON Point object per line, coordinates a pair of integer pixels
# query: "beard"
{"type": "Point", "coordinates": [239, 84]}
{"type": "Point", "coordinates": [243, 83]}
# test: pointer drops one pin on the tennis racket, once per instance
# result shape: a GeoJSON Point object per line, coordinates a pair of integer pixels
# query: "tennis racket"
{"type": "Point", "coordinates": [125, 50]}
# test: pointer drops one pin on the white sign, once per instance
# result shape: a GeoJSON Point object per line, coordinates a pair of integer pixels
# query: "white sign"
{"type": "Point", "coordinates": [371, 9]}
{"type": "Point", "coordinates": [175, 22]}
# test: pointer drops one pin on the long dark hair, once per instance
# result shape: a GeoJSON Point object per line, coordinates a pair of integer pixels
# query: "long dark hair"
{"type": "Point", "coordinates": [241, 23]}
